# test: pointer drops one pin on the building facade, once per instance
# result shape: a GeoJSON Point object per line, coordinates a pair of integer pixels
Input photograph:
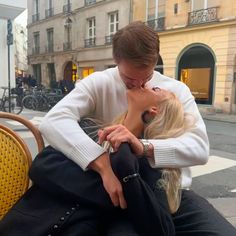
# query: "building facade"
{"type": "Point", "coordinates": [9, 10]}
{"type": "Point", "coordinates": [67, 40]}
{"type": "Point", "coordinates": [198, 46]}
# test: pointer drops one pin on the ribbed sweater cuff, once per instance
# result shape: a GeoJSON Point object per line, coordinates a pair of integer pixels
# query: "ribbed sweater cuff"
{"type": "Point", "coordinates": [86, 152]}
{"type": "Point", "coordinates": [164, 156]}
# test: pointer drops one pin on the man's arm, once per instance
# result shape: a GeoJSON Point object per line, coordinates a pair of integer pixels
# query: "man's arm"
{"type": "Point", "coordinates": [61, 130]}
{"type": "Point", "coordinates": [189, 149]}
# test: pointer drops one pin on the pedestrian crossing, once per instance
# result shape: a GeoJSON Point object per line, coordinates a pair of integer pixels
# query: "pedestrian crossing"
{"type": "Point", "coordinates": [215, 163]}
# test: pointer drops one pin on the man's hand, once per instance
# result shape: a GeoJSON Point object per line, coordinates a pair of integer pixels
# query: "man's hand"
{"type": "Point", "coordinates": [117, 134]}
{"type": "Point", "coordinates": [111, 184]}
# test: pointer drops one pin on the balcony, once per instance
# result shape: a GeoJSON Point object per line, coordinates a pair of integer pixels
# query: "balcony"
{"type": "Point", "coordinates": [108, 39]}
{"type": "Point", "coordinates": [49, 12]}
{"type": "Point", "coordinates": [49, 48]}
{"type": "Point", "coordinates": [35, 17]}
{"type": "Point", "coordinates": [67, 46]}
{"type": "Point", "coordinates": [90, 42]}
{"type": "Point", "coordinates": [157, 24]}
{"type": "Point", "coordinates": [35, 50]}
{"type": "Point", "coordinates": [203, 16]}
{"type": "Point", "coordinates": [67, 8]}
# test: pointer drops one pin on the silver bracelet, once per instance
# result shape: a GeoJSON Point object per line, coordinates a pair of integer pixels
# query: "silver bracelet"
{"type": "Point", "coordinates": [128, 177]}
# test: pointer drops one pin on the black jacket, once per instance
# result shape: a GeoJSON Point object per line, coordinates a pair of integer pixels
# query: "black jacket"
{"type": "Point", "coordinates": [65, 200]}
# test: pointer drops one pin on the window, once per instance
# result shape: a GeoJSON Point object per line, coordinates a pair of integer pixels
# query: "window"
{"type": "Point", "coordinates": [91, 32]}
{"type": "Point", "coordinates": [87, 71]}
{"type": "Point", "coordinates": [113, 26]}
{"type": "Point", "coordinates": [36, 48]}
{"type": "Point", "coordinates": [203, 4]}
{"type": "Point", "coordinates": [113, 22]}
{"type": "Point", "coordinates": [67, 7]}
{"type": "Point", "coordinates": [155, 9]}
{"type": "Point", "coordinates": [50, 40]}
{"type": "Point", "coordinates": [89, 2]}
{"type": "Point", "coordinates": [176, 8]}
{"type": "Point", "coordinates": [49, 10]}
{"type": "Point", "coordinates": [36, 6]}
{"type": "Point", "coordinates": [198, 80]}
{"type": "Point", "coordinates": [35, 16]}
{"type": "Point", "coordinates": [49, 4]}
{"type": "Point", "coordinates": [91, 28]}
{"type": "Point", "coordinates": [67, 45]}
{"type": "Point", "coordinates": [155, 14]}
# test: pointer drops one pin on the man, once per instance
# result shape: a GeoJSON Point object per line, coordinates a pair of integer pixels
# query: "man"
{"type": "Point", "coordinates": [102, 95]}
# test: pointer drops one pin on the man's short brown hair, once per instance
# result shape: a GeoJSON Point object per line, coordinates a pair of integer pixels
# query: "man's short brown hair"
{"type": "Point", "coordinates": [138, 43]}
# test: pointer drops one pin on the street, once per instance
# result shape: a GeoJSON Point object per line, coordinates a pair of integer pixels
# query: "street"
{"type": "Point", "coordinates": [220, 181]}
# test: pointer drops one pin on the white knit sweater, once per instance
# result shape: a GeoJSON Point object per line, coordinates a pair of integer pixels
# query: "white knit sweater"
{"type": "Point", "coordinates": [102, 95]}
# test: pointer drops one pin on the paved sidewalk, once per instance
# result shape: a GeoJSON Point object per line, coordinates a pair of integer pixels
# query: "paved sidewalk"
{"type": "Point", "coordinates": [209, 114]}
{"type": "Point", "coordinates": [227, 207]}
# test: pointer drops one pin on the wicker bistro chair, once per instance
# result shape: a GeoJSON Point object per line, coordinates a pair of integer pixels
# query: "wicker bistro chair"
{"type": "Point", "coordinates": [15, 160]}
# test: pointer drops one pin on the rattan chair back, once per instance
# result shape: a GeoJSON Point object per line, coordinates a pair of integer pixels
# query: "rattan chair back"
{"type": "Point", "coordinates": [15, 161]}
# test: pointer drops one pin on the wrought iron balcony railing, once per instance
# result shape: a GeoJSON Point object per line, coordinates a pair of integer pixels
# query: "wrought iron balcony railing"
{"type": "Point", "coordinates": [108, 39]}
{"type": "Point", "coordinates": [67, 8]}
{"type": "Point", "coordinates": [157, 24]}
{"type": "Point", "coordinates": [35, 17]}
{"type": "Point", "coordinates": [90, 42]}
{"type": "Point", "coordinates": [35, 50]}
{"type": "Point", "coordinates": [202, 16]}
{"type": "Point", "coordinates": [48, 12]}
{"type": "Point", "coordinates": [67, 46]}
{"type": "Point", "coordinates": [49, 48]}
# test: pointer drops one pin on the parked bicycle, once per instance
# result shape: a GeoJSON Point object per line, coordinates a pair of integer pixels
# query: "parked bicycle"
{"type": "Point", "coordinates": [42, 99]}
{"type": "Point", "coordinates": [15, 103]}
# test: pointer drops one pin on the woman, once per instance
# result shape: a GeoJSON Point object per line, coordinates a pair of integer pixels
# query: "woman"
{"type": "Point", "coordinates": [151, 114]}
{"type": "Point", "coordinates": [155, 114]}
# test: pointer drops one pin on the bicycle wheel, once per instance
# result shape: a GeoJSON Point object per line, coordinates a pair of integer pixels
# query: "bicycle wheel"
{"type": "Point", "coordinates": [30, 102]}
{"type": "Point", "coordinates": [15, 106]}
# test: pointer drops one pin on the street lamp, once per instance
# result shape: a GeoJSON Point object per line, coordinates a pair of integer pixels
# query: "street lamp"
{"type": "Point", "coordinates": [68, 22]}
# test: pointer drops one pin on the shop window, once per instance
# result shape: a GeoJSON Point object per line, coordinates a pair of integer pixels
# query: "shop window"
{"type": "Point", "coordinates": [87, 71]}
{"type": "Point", "coordinates": [198, 81]}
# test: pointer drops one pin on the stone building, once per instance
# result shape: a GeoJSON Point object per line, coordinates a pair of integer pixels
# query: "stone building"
{"type": "Point", "coordinates": [9, 10]}
{"type": "Point", "coordinates": [198, 46]}
{"type": "Point", "coordinates": [68, 40]}
{"type": "Point", "coordinates": [71, 39]}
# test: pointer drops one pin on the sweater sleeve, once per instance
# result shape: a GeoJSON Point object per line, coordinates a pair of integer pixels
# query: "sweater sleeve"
{"type": "Point", "coordinates": [61, 129]}
{"type": "Point", "coordinates": [189, 149]}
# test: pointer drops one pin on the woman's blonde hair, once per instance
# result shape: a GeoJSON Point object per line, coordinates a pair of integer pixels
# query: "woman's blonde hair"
{"type": "Point", "coordinates": [171, 121]}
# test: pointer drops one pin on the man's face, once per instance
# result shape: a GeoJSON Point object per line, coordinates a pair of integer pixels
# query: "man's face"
{"type": "Point", "coordinates": [133, 76]}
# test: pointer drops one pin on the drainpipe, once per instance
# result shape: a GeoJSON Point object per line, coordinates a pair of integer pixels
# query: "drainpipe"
{"type": "Point", "coordinates": [130, 11]}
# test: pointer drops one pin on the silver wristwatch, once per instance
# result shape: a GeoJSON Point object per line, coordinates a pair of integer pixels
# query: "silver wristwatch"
{"type": "Point", "coordinates": [146, 147]}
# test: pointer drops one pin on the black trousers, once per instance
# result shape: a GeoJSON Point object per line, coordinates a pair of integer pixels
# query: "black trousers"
{"type": "Point", "coordinates": [147, 205]}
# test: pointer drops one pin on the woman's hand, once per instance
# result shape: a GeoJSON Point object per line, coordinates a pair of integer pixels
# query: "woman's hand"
{"type": "Point", "coordinates": [117, 134]}
{"type": "Point", "coordinates": [111, 183]}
